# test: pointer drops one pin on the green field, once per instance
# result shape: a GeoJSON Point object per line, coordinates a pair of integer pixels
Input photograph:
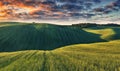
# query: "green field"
{"type": "Point", "coordinates": [46, 47]}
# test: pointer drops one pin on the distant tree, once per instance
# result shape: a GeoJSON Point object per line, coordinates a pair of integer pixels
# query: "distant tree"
{"type": "Point", "coordinates": [33, 22]}
{"type": "Point", "coordinates": [87, 25]}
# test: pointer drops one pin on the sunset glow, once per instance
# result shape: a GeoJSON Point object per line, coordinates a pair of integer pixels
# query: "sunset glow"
{"type": "Point", "coordinates": [60, 11]}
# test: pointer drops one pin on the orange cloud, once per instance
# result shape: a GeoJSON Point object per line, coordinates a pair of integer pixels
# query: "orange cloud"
{"type": "Point", "coordinates": [21, 9]}
{"type": "Point", "coordinates": [1, 4]}
{"type": "Point", "coordinates": [13, 7]}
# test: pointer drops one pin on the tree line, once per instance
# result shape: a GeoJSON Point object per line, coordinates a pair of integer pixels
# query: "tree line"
{"type": "Point", "coordinates": [87, 25]}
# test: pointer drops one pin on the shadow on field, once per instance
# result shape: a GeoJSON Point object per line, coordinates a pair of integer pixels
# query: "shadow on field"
{"type": "Point", "coordinates": [42, 37]}
{"type": "Point", "coordinates": [117, 35]}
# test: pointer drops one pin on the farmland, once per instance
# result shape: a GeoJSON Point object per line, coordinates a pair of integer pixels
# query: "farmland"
{"type": "Point", "coordinates": [46, 47]}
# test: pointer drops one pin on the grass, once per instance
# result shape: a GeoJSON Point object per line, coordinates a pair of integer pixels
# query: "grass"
{"type": "Point", "coordinates": [6, 24]}
{"type": "Point", "coordinates": [45, 47]}
{"type": "Point", "coordinates": [81, 57]}
{"type": "Point", "coordinates": [42, 37]}
{"type": "Point", "coordinates": [108, 34]}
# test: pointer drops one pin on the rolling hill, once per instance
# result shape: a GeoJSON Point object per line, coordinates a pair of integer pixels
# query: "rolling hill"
{"type": "Point", "coordinates": [104, 56]}
{"type": "Point", "coordinates": [42, 37]}
{"type": "Point", "coordinates": [47, 47]}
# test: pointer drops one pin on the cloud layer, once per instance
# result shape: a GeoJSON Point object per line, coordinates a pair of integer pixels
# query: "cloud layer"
{"type": "Point", "coordinates": [113, 6]}
{"type": "Point", "coordinates": [54, 9]}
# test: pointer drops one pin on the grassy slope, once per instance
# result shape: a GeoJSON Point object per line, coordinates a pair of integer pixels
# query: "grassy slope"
{"type": "Point", "coordinates": [3, 24]}
{"type": "Point", "coordinates": [103, 56]}
{"type": "Point", "coordinates": [42, 36]}
{"type": "Point", "coordinates": [82, 57]}
{"type": "Point", "coordinates": [108, 33]}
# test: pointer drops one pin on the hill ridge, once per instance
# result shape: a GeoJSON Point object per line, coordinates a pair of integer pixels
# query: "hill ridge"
{"type": "Point", "coordinates": [42, 37]}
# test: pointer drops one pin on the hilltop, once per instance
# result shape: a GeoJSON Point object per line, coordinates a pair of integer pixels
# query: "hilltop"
{"type": "Point", "coordinates": [42, 37]}
{"type": "Point", "coordinates": [48, 47]}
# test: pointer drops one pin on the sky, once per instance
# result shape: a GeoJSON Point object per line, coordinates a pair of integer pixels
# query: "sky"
{"type": "Point", "coordinates": [60, 11]}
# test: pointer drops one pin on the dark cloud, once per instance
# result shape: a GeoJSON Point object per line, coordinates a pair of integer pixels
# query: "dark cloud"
{"type": "Point", "coordinates": [99, 9]}
{"type": "Point", "coordinates": [47, 8]}
{"type": "Point", "coordinates": [114, 6]}
{"type": "Point", "coordinates": [97, 1]}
